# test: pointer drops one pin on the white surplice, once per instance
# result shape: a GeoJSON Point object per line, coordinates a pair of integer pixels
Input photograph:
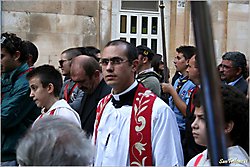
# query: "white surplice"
{"type": "Point", "coordinates": [112, 143]}
{"type": "Point", "coordinates": [62, 108]}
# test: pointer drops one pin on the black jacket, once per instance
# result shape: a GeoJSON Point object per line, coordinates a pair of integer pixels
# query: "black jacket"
{"type": "Point", "coordinates": [89, 104]}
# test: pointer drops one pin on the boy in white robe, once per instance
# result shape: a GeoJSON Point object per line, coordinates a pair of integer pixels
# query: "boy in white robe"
{"type": "Point", "coordinates": [236, 116]}
{"type": "Point", "coordinates": [45, 85]}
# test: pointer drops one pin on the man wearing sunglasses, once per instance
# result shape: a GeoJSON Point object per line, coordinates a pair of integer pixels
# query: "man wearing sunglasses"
{"type": "Point", "coordinates": [133, 126]}
{"type": "Point", "coordinates": [70, 91]}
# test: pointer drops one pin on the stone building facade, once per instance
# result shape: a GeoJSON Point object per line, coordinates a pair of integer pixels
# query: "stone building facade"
{"type": "Point", "coordinates": [55, 25]}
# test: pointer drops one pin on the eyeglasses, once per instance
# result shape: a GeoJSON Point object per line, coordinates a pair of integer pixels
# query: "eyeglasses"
{"type": "Point", "coordinates": [113, 61]}
{"type": "Point", "coordinates": [62, 61]}
{"type": "Point", "coordinates": [225, 66]}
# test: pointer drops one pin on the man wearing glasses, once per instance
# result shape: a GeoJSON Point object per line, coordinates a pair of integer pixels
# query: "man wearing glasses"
{"type": "Point", "coordinates": [234, 69]}
{"type": "Point", "coordinates": [133, 126]}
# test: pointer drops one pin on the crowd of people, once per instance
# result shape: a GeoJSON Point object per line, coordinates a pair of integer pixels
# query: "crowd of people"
{"type": "Point", "coordinates": [112, 107]}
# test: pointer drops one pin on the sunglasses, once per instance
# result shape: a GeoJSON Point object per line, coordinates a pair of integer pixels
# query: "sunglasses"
{"type": "Point", "coordinates": [62, 61]}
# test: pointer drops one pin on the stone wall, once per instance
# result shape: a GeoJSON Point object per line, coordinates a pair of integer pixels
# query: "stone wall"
{"type": "Point", "coordinates": [53, 25]}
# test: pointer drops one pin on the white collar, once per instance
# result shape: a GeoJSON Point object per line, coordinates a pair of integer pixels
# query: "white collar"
{"type": "Point", "coordinates": [117, 96]}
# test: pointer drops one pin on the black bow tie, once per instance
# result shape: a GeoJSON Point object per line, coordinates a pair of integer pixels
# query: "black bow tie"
{"type": "Point", "coordinates": [125, 99]}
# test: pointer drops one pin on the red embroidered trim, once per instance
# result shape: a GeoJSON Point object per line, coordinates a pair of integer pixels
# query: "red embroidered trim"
{"type": "Point", "coordinates": [140, 148]}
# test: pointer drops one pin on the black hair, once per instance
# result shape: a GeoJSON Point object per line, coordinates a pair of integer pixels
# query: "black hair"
{"type": "Point", "coordinates": [235, 107]}
{"type": "Point", "coordinates": [30, 48]}
{"type": "Point", "coordinates": [131, 51]}
{"type": "Point", "coordinates": [47, 74]}
{"type": "Point", "coordinates": [145, 51]}
{"type": "Point", "coordinates": [72, 52]}
{"type": "Point", "coordinates": [12, 43]}
{"type": "Point", "coordinates": [187, 51]}
{"type": "Point", "coordinates": [90, 51]}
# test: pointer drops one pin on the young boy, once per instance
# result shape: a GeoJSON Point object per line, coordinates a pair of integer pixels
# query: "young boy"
{"type": "Point", "coordinates": [236, 116]}
{"type": "Point", "coordinates": [45, 85]}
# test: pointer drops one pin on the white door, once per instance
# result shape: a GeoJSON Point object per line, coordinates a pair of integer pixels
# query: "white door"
{"type": "Point", "coordinates": [137, 23]}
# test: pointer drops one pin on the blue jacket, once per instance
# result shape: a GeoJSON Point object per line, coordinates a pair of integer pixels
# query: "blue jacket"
{"type": "Point", "coordinates": [18, 111]}
{"type": "Point", "coordinates": [184, 93]}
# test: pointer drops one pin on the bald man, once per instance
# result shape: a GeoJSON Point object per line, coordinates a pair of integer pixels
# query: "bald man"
{"type": "Point", "coordinates": [86, 72]}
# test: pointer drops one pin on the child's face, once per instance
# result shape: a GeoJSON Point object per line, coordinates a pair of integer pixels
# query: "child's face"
{"type": "Point", "coordinates": [199, 127]}
{"type": "Point", "coordinates": [39, 94]}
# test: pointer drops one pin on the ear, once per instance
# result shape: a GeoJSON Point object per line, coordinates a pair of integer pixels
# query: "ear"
{"type": "Point", "coordinates": [134, 65]}
{"type": "Point", "coordinates": [50, 88]}
{"type": "Point", "coordinates": [97, 74]}
{"type": "Point", "coordinates": [17, 55]}
{"type": "Point", "coordinates": [229, 127]}
{"type": "Point", "coordinates": [145, 60]}
{"type": "Point", "coordinates": [239, 70]}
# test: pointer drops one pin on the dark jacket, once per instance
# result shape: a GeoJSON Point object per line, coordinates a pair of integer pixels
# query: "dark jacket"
{"type": "Point", "coordinates": [89, 104]}
{"type": "Point", "coordinates": [18, 111]}
{"type": "Point", "coordinates": [242, 85]}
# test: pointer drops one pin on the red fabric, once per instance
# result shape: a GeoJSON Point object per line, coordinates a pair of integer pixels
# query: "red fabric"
{"type": "Point", "coordinates": [99, 112]}
{"type": "Point", "coordinates": [192, 99]}
{"type": "Point", "coordinates": [65, 92]}
{"type": "Point", "coordinates": [142, 108]}
{"type": "Point", "coordinates": [198, 160]}
{"type": "Point", "coordinates": [144, 104]}
{"type": "Point", "coordinates": [51, 113]}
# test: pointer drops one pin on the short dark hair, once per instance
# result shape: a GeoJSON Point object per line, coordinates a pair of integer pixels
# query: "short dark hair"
{"type": "Point", "coordinates": [131, 51]}
{"type": "Point", "coordinates": [55, 141]}
{"type": "Point", "coordinates": [238, 60]}
{"type": "Point", "coordinates": [235, 107]}
{"type": "Point", "coordinates": [12, 43]}
{"type": "Point", "coordinates": [71, 52]}
{"type": "Point", "coordinates": [145, 51]}
{"type": "Point", "coordinates": [48, 74]}
{"type": "Point", "coordinates": [187, 51]}
{"type": "Point", "coordinates": [89, 51]}
{"type": "Point", "coordinates": [30, 48]}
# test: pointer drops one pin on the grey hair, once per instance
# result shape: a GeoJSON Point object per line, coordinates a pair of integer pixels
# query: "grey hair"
{"type": "Point", "coordinates": [54, 141]}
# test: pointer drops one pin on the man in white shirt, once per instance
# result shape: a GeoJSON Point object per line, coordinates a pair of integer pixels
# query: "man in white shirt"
{"type": "Point", "coordinates": [133, 126]}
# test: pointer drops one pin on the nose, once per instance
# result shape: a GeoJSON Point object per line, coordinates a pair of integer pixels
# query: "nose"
{"type": "Point", "coordinates": [31, 94]}
{"type": "Point", "coordinates": [194, 124]}
{"type": "Point", "coordinates": [109, 66]}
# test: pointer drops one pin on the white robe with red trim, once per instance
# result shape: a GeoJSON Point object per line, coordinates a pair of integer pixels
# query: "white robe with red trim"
{"type": "Point", "coordinates": [237, 156]}
{"type": "Point", "coordinates": [112, 143]}
{"type": "Point", "coordinates": [62, 108]}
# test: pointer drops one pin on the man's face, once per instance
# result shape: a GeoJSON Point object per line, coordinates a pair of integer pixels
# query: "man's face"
{"type": "Point", "coordinates": [117, 74]}
{"type": "Point", "coordinates": [38, 92]}
{"type": "Point", "coordinates": [193, 71]}
{"type": "Point", "coordinates": [199, 127]}
{"type": "Point", "coordinates": [7, 61]}
{"type": "Point", "coordinates": [85, 83]}
{"type": "Point", "coordinates": [230, 73]}
{"type": "Point", "coordinates": [180, 62]}
{"type": "Point", "coordinates": [65, 65]}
